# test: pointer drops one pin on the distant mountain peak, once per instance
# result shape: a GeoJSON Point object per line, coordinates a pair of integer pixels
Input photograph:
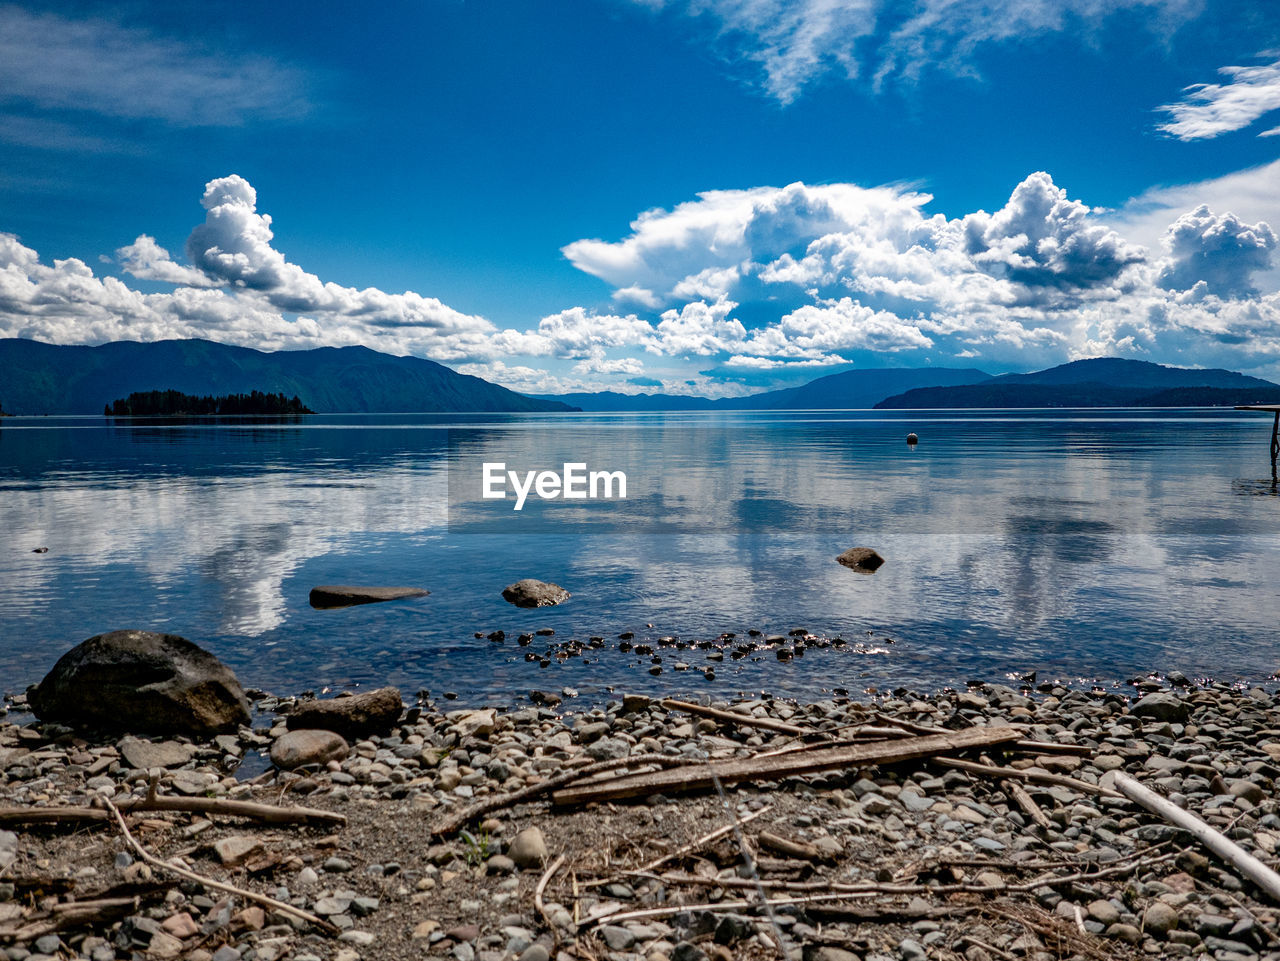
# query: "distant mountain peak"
{"type": "Point", "coordinates": [38, 378]}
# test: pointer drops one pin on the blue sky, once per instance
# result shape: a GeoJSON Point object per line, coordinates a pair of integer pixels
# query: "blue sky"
{"type": "Point", "coordinates": [713, 196]}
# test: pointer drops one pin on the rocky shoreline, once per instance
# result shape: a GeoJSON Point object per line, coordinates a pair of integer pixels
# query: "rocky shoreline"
{"type": "Point", "coordinates": [906, 861]}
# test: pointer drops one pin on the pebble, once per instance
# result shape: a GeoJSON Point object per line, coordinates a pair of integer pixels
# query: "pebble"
{"type": "Point", "coordinates": [528, 848]}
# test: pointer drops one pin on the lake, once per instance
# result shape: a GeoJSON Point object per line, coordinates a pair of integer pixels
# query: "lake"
{"type": "Point", "coordinates": [1084, 545]}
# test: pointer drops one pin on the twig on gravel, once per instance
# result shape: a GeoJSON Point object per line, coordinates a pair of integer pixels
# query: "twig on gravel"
{"type": "Point", "coordinates": [737, 718]}
{"type": "Point", "coordinates": [251, 810]}
{"type": "Point", "coordinates": [876, 887]}
{"type": "Point", "coordinates": [707, 774]}
{"type": "Point", "coordinates": [673, 909]}
{"type": "Point", "coordinates": [452, 825]}
{"type": "Point", "coordinates": [538, 903]}
{"type": "Point", "coordinates": [689, 848]}
{"type": "Point", "coordinates": [1041, 777]}
{"type": "Point", "coordinates": [989, 948]}
{"type": "Point", "coordinates": [1019, 795]}
{"type": "Point", "coordinates": [262, 899]}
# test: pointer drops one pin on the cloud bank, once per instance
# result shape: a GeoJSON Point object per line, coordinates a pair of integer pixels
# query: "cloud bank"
{"type": "Point", "coordinates": [102, 66]}
{"type": "Point", "coordinates": [795, 42]}
{"type": "Point", "coordinates": [731, 288]}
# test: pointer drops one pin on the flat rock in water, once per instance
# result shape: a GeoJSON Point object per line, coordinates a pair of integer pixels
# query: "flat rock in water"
{"type": "Point", "coordinates": [330, 596]}
{"type": "Point", "coordinates": [141, 682]}
{"type": "Point", "coordinates": [354, 717]}
{"type": "Point", "coordinates": [296, 748]}
{"type": "Point", "coordinates": [864, 560]}
{"type": "Point", "coordinates": [148, 754]}
{"type": "Point", "coordinates": [534, 593]}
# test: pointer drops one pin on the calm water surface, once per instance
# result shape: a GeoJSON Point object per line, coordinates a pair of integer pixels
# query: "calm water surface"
{"type": "Point", "coordinates": [1086, 545]}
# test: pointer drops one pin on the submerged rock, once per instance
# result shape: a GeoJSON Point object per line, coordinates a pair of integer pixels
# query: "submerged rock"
{"type": "Point", "coordinates": [139, 681]}
{"type": "Point", "coordinates": [864, 560]}
{"type": "Point", "coordinates": [296, 748]}
{"type": "Point", "coordinates": [354, 717]}
{"type": "Point", "coordinates": [533, 593]}
{"type": "Point", "coordinates": [330, 595]}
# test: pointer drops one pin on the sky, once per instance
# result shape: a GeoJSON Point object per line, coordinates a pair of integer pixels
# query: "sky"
{"type": "Point", "coordinates": [688, 196]}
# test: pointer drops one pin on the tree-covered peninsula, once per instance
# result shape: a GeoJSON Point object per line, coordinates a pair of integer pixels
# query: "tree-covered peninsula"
{"type": "Point", "coordinates": [161, 403]}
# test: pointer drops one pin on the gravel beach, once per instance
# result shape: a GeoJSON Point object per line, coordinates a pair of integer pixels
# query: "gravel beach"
{"type": "Point", "coordinates": [919, 859]}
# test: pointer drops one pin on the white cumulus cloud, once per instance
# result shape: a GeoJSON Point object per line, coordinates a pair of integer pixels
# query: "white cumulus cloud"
{"type": "Point", "coordinates": [1216, 254]}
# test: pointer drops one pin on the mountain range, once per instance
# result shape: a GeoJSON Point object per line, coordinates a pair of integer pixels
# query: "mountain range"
{"type": "Point", "coordinates": [1100, 382]}
{"type": "Point", "coordinates": [39, 378]}
{"type": "Point", "coordinates": [847, 390]}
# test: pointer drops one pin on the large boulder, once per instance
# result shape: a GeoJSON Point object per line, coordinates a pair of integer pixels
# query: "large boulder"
{"type": "Point", "coordinates": [141, 682]}
{"type": "Point", "coordinates": [354, 717]}
{"type": "Point", "coordinates": [533, 593]}
{"type": "Point", "coordinates": [342, 595]}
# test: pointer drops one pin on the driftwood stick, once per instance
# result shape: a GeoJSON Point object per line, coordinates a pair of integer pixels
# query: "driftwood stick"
{"type": "Point", "coordinates": [674, 909]}
{"type": "Point", "coordinates": [791, 849]}
{"type": "Point", "coordinates": [203, 805]}
{"type": "Point", "coordinates": [704, 776]}
{"type": "Point", "coordinates": [876, 887]}
{"type": "Point", "coordinates": [1026, 802]}
{"type": "Point", "coordinates": [1039, 747]}
{"type": "Point", "coordinates": [457, 822]}
{"type": "Point", "coordinates": [262, 899]}
{"type": "Point", "coordinates": [269, 813]}
{"type": "Point", "coordinates": [1042, 777]}
{"type": "Point", "coordinates": [70, 914]}
{"type": "Point", "coordinates": [538, 892]}
{"type": "Point", "coordinates": [1266, 879]}
{"type": "Point", "coordinates": [1020, 796]}
{"type": "Point", "coordinates": [701, 842]}
{"type": "Point", "coordinates": [734, 717]}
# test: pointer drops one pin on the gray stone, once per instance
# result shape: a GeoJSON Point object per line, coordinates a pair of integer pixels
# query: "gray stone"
{"type": "Point", "coordinates": [331, 596]}
{"type": "Point", "coordinates": [617, 937]}
{"type": "Point", "coordinates": [536, 952]}
{"type": "Point", "coordinates": [145, 755]}
{"type": "Point", "coordinates": [832, 953]}
{"type": "Point", "coordinates": [236, 849]}
{"type": "Point", "coordinates": [8, 849]}
{"type": "Point", "coordinates": [1104, 912]}
{"type": "Point", "coordinates": [608, 748]}
{"type": "Point", "coordinates": [1251, 792]}
{"type": "Point", "coordinates": [1162, 706]}
{"type": "Point", "coordinates": [297, 748]}
{"type": "Point", "coordinates": [912, 950]}
{"type": "Point", "coordinates": [528, 848]}
{"type": "Point", "coordinates": [534, 593]}
{"type": "Point", "coordinates": [1159, 919]}
{"type": "Point", "coordinates": [139, 681]}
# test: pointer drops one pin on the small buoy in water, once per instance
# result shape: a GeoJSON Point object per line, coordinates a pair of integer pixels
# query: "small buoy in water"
{"type": "Point", "coordinates": [913, 439]}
